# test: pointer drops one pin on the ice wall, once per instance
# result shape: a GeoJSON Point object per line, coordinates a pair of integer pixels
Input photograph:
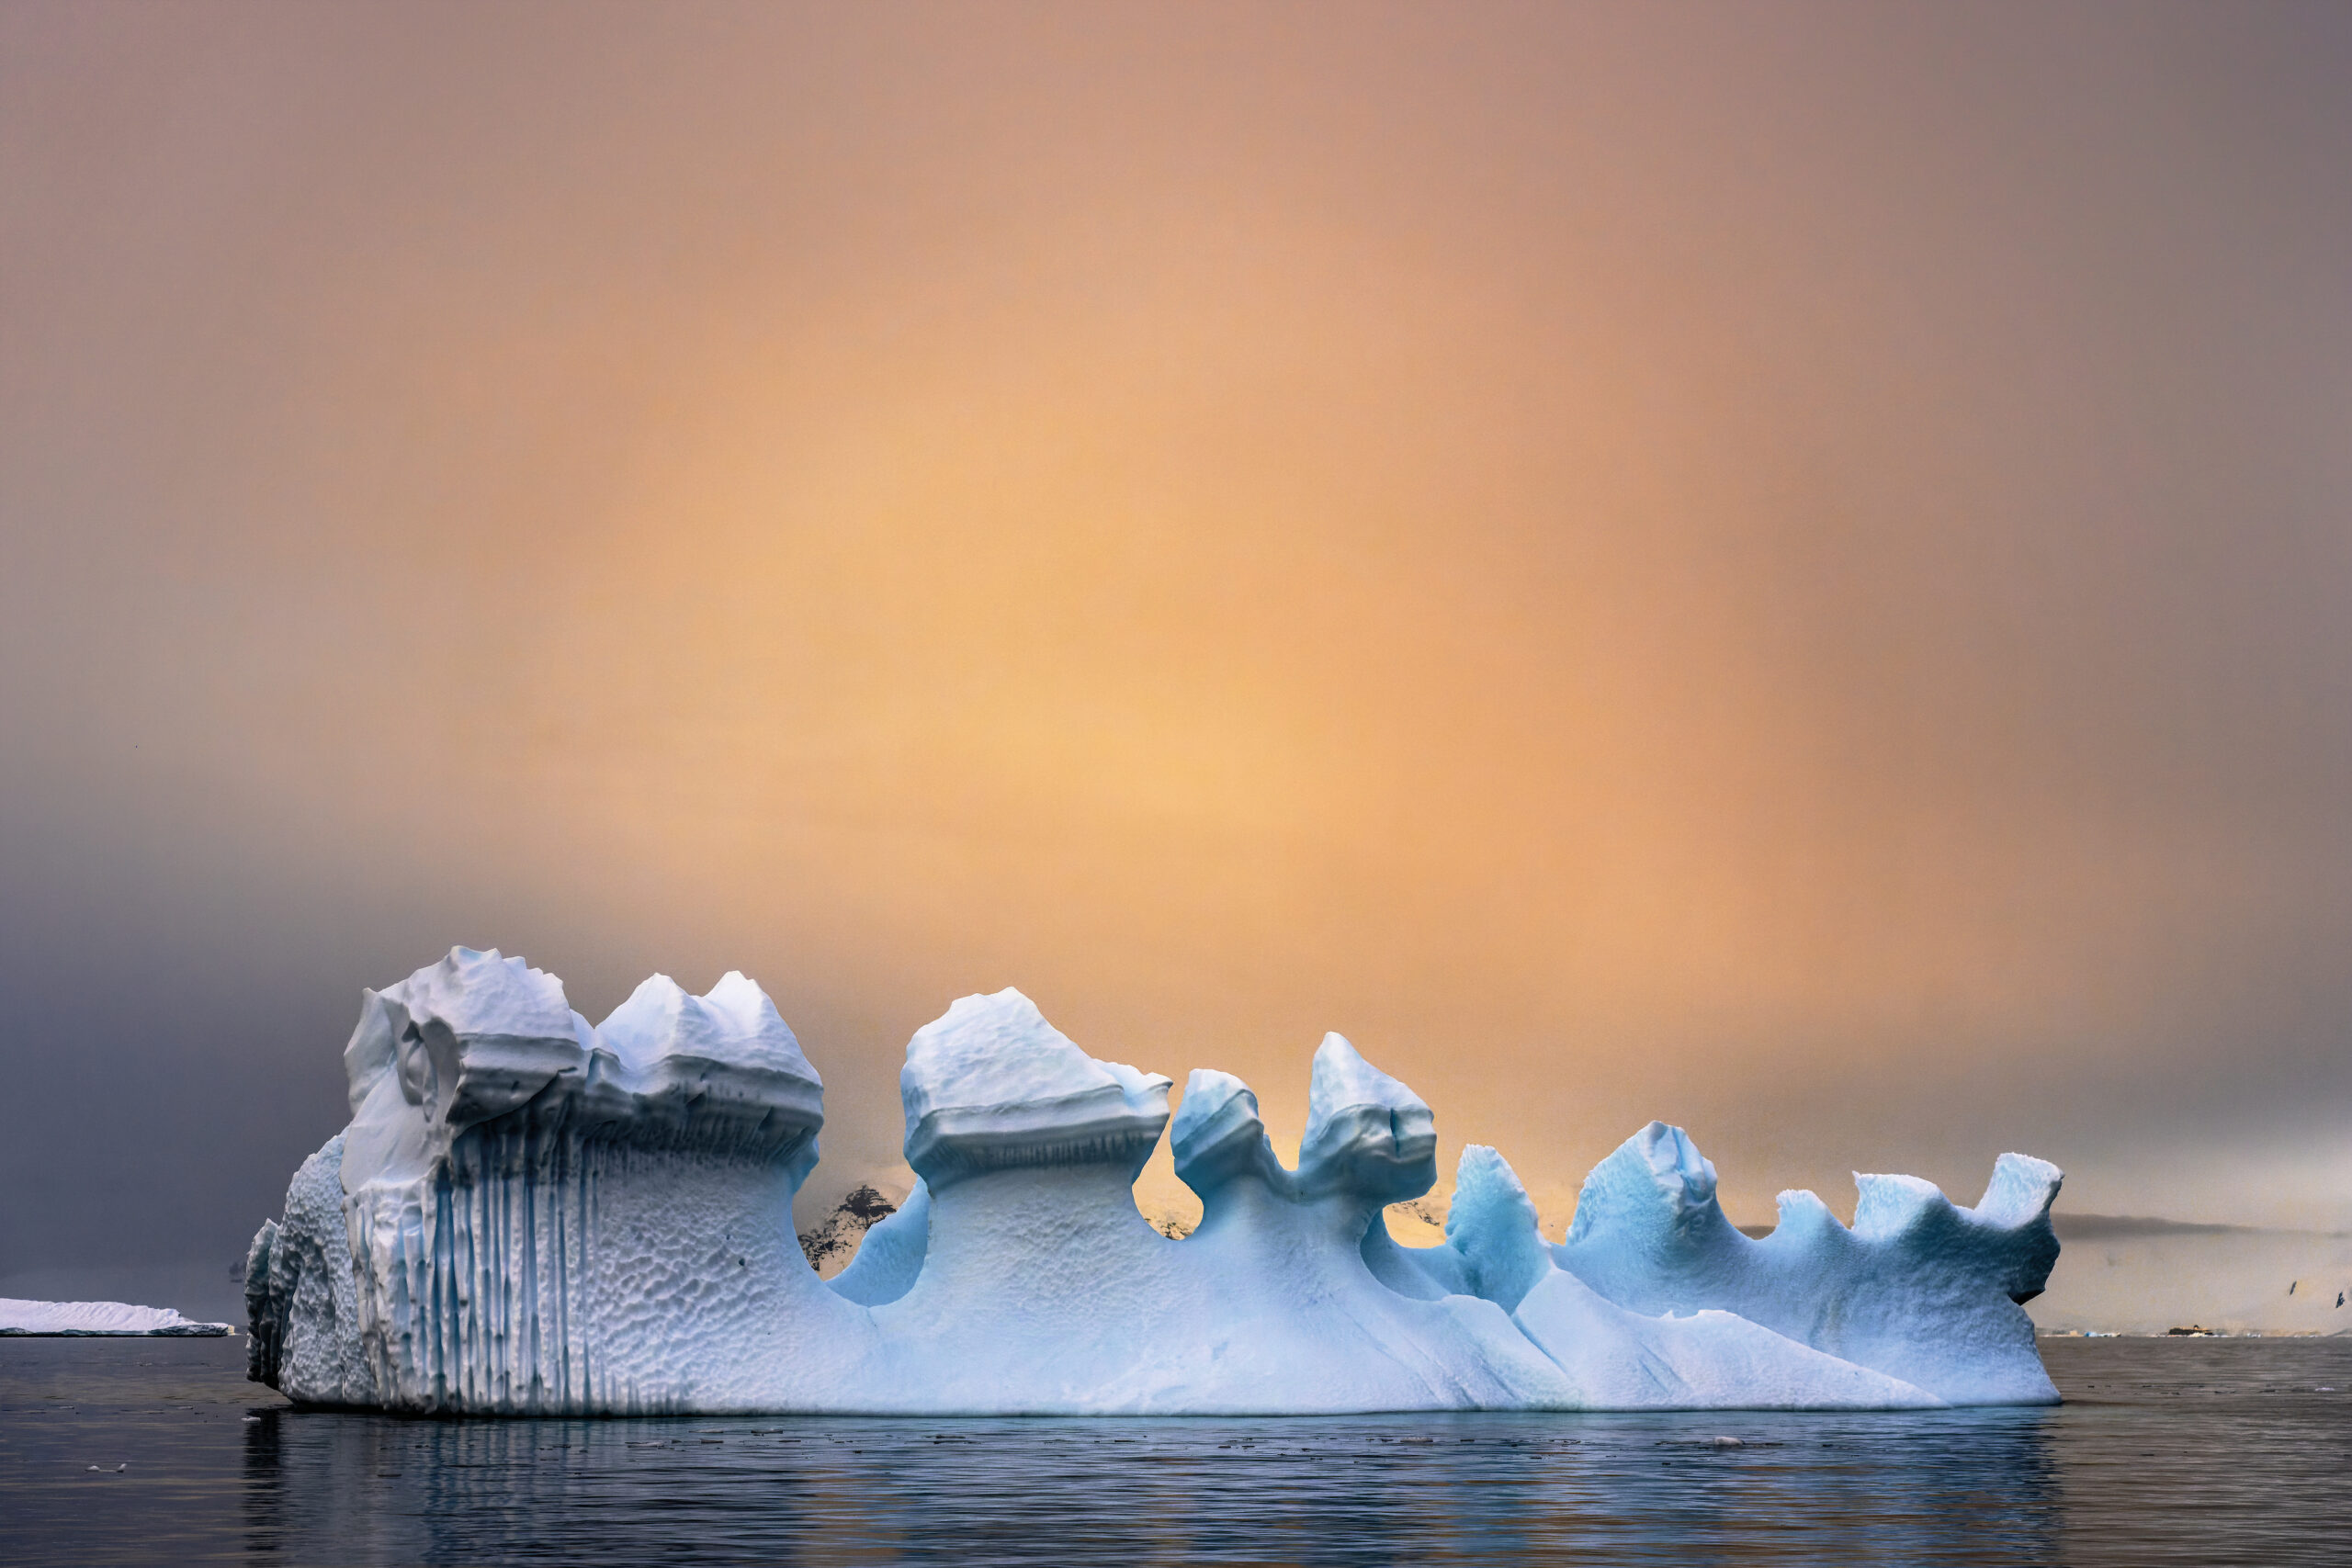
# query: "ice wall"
{"type": "Point", "coordinates": [529, 1215]}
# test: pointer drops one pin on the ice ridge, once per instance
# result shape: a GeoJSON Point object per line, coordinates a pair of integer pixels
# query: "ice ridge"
{"type": "Point", "coordinates": [1918, 1288]}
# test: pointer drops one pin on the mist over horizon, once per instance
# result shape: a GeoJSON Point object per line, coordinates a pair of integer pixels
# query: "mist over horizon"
{"type": "Point", "coordinates": [1784, 570]}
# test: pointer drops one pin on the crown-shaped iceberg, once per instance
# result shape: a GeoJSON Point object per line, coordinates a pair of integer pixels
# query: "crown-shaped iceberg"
{"type": "Point", "coordinates": [527, 1214]}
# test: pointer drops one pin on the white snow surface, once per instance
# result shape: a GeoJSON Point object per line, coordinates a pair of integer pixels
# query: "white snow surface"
{"type": "Point", "coordinates": [528, 1214]}
{"type": "Point", "coordinates": [97, 1318]}
{"type": "Point", "coordinates": [993, 1086]}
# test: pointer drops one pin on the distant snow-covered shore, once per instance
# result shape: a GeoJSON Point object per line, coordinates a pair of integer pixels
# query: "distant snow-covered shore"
{"type": "Point", "coordinates": [87, 1319]}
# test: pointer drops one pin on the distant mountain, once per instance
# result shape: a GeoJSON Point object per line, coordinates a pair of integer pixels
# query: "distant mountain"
{"type": "Point", "coordinates": [2107, 1228]}
{"type": "Point", "coordinates": [834, 1241]}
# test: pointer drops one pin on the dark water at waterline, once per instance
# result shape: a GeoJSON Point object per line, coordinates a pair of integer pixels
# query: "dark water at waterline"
{"type": "Point", "coordinates": [2196, 1451]}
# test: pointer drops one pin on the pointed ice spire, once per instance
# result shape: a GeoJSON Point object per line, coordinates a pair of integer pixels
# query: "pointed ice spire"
{"type": "Point", "coordinates": [1367, 1134]}
{"type": "Point", "coordinates": [1655, 1184]}
{"type": "Point", "coordinates": [1218, 1135]}
{"type": "Point", "coordinates": [1492, 1225]}
{"type": "Point", "coordinates": [733, 1023]}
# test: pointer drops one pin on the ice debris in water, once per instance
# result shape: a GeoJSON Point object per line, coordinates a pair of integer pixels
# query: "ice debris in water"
{"type": "Point", "coordinates": [530, 1215]}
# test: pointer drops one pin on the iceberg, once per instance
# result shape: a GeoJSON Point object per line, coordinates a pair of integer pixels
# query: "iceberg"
{"type": "Point", "coordinates": [528, 1214]}
{"type": "Point", "coordinates": [77, 1320]}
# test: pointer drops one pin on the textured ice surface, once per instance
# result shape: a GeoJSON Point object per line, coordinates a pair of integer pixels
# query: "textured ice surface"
{"type": "Point", "coordinates": [1919, 1289]}
{"type": "Point", "coordinates": [993, 1087]}
{"type": "Point", "coordinates": [75, 1319]}
{"type": "Point", "coordinates": [1622, 1360]}
{"type": "Point", "coordinates": [529, 1215]}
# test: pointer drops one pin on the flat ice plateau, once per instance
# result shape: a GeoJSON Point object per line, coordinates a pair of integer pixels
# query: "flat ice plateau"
{"type": "Point", "coordinates": [78, 1319]}
{"type": "Point", "coordinates": [531, 1215]}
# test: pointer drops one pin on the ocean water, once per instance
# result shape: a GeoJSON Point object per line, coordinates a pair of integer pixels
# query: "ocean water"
{"type": "Point", "coordinates": [2168, 1452]}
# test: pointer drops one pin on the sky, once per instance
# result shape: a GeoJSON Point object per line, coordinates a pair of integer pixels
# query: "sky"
{"type": "Point", "coordinates": [1785, 569]}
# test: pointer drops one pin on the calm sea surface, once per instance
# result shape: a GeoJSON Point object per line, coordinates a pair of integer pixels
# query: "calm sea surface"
{"type": "Point", "coordinates": [2167, 1451]}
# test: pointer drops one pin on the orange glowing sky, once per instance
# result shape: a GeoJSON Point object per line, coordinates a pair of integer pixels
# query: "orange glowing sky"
{"type": "Point", "coordinates": [1786, 568]}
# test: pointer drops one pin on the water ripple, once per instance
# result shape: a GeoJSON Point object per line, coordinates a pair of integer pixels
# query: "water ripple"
{"type": "Point", "coordinates": [2206, 1452]}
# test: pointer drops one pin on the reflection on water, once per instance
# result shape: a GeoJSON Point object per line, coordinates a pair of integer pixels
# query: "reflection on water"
{"type": "Point", "coordinates": [1974, 1488]}
{"type": "Point", "coordinates": [2211, 1453]}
